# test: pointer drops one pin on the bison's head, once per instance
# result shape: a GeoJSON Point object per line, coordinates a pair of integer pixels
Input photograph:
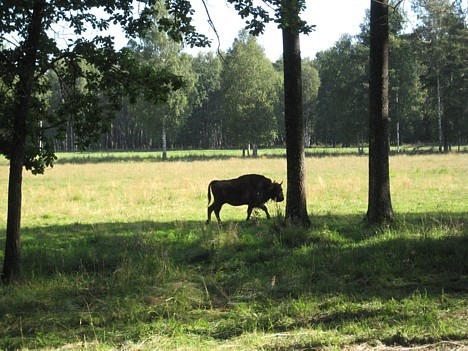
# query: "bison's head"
{"type": "Point", "coordinates": [277, 193]}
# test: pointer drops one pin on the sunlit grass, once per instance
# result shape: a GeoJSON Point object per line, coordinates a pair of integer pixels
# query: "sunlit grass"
{"type": "Point", "coordinates": [168, 191]}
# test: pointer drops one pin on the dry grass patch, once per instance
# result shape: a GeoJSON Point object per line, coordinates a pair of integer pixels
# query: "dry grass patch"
{"type": "Point", "coordinates": [168, 191]}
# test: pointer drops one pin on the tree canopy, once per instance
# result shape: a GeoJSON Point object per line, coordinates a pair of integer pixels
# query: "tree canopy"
{"type": "Point", "coordinates": [248, 84]}
{"type": "Point", "coordinates": [91, 75]}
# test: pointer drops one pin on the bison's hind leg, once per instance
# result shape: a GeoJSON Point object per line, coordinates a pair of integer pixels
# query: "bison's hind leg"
{"type": "Point", "coordinates": [249, 211]}
{"type": "Point", "coordinates": [209, 215]}
{"type": "Point", "coordinates": [216, 211]}
{"type": "Point", "coordinates": [210, 209]}
{"type": "Point", "coordinates": [216, 208]}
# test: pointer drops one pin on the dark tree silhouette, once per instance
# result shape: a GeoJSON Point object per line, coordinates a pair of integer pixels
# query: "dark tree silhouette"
{"type": "Point", "coordinates": [296, 206]}
{"type": "Point", "coordinates": [26, 69]}
{"type": "Point", "coordinates": [379, 202]}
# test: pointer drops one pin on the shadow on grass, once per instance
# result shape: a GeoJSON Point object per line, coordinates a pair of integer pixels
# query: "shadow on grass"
{"type": "Point", "coordinates": [338, 253]}
{"type": "Point", "coordinates": [110, 274]}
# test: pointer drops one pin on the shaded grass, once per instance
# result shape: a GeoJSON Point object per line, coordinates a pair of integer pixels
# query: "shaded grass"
{"type": "Point", "coordinates": [337, 284]}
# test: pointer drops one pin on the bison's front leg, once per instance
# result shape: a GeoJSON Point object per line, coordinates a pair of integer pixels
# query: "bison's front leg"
{"type": "Point", "coordinates": [263, 207]}
{"type": "Point", "coordinates": [255, 201]}
{"type": "Point", "coordinates": [251, 207]}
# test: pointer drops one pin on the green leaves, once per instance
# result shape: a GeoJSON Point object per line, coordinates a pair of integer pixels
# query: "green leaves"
{"type": "Point", "coordinates": [283, 12]}
{"type": "Point", "coordinates": [249, 93]}
{"type": "Point", "coordinates": [342, 100]}
{"type": "Point", "coordinates": [36, 162]}
{"type": "Point", "coordinates": [178, 25]}
{"type": "Point", "coordinates": [90, 77]}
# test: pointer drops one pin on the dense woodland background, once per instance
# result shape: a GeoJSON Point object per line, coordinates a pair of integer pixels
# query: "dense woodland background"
{"type": "Point", "coordinates": [234, 99]}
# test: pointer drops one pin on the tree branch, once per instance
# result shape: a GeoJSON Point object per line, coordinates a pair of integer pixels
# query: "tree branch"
{"type": "Point", "coordinates": [210, 22]}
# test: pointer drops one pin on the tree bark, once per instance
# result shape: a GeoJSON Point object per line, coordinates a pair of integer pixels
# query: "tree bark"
{"type": "Point", "coordinates": [379, 202]}
{"type": "Point", "coordinates": [296, 207]}
{"type": "Point", "coordinates": [26, 69]}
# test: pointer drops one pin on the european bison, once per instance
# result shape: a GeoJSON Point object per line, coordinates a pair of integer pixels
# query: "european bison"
{"type": "Point", "coordinates": [250, 189]}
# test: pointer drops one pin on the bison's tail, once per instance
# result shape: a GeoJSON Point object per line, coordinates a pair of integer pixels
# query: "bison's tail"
{"type": "Point", "coordinates": [209, 193]}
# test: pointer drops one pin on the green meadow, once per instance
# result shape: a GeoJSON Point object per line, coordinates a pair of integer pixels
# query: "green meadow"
{"type": "Point", "coordinates": [116, 256]}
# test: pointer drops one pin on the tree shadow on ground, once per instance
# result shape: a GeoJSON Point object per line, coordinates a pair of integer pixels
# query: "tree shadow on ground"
{"type": "Point", "coordinates": [169, 268]}
{"type": "Point", "coordinates": [338, 253]}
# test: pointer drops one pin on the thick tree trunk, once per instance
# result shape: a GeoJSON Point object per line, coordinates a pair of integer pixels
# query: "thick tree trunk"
{"type": "Point", "coordinates": [296, 207]}
{"type": "Point", "coordinates": [379, 202]}
{"type": "Point", "coordinates": [12, 260]}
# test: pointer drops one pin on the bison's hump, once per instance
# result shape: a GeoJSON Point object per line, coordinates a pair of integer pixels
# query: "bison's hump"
{"type": "Point", "coordinates": [254, 176]}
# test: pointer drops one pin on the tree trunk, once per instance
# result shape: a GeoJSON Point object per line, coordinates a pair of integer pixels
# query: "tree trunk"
{"type": "Point", "coordinates": [70, 143]}
{"type": "Point", "coordinates": [398, 136]}
{"type": "Point", "coordinates": [296, 207]}
{"type": "Point", "coordinates": [12, 260]}
{"type": "Point", "coordinates": [164, 140]}
{"type": "Point", "coordinates": [439, 112]}
{"type": "Point", "coordinates": [379, 202]}
{"type": "Point", "coordinates": [397, 100]}
{"type": "Point", "coordinates": [164, 144]}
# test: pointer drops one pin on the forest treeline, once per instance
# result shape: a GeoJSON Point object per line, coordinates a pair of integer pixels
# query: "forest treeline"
{"type": "Point", "coordinates": [235, 99]}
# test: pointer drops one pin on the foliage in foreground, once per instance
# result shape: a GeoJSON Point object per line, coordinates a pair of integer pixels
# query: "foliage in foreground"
{"type": "Point", "coordinates": [177, 285]}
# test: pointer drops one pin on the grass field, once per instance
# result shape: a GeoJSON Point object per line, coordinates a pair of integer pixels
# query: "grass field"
{"type": "Point", "coordinates": [116, 256]}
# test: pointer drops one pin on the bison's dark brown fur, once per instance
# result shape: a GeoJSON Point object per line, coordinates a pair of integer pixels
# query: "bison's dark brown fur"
{"type": "Point", "coordinates": [250, 189]}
